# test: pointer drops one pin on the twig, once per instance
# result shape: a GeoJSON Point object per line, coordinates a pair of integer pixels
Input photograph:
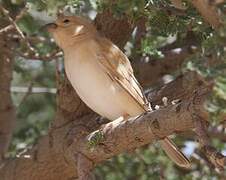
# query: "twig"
{"type": "Point", "coordinates": [18, 17]}
{"type": "Point", "coordinates": [21, 14]}
{"type": "Point", "coordinates": [6, 29]}
{"type": "Point", "coordinates": [30, 55]}
{"type": "Point", "coordinates": [31, 39]}
{"type": "Point", "coordinates": [29, 91]}
{"type": "Point", "coordinates": [48, 57]}
{"type": "Point", "coordinates": [13, 22]}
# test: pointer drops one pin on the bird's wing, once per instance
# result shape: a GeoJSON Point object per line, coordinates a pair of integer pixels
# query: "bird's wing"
{"type": "Point", "coordinates": [118, 67]}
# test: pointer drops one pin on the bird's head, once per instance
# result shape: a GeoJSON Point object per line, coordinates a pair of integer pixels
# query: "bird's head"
{"type": "Point", "coordinates": [67, 30]}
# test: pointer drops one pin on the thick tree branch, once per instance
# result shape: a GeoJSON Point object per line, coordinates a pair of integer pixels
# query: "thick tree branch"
{"type": "Point", "coordinates": [214, 157]}
{"type": "Point", "coordinates": [149, 72]}
{"type": "Point", "coordinates": [61, 148]}
{"type": "Point", "coordinates": [7, 110]}
{"type": "Point", "coordinates": [85, 167]}
{"type": "Point", "coordinates": [179, 89]}
{"type": "Point", "coordinates": [117, 136]}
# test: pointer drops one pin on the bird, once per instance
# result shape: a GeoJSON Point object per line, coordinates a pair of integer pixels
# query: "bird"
{"type": "Point", "coordinates": [102, 75]}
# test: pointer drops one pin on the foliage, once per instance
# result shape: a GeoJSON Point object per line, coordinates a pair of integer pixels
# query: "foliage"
{"type": "Point", "coordinates": [37, 110]}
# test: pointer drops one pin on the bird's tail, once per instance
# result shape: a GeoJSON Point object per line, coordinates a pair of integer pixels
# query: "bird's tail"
{"type": "Point", "coordinates": [170, 148]}
{"type": "Point", "coordinates": [174, 153]}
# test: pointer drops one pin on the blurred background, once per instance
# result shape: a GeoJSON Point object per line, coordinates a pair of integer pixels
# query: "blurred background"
{"type": "Point", "coordinates": [167, 29]}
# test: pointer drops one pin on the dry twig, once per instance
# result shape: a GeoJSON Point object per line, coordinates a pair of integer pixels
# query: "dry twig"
{"type": "Point", "coordinates": [48, 57]}
{"type": "Point", "coordinates": [13, 22]}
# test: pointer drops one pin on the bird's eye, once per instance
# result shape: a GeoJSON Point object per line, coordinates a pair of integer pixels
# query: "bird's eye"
{"type": "Point", "coordinates": [66, 21]}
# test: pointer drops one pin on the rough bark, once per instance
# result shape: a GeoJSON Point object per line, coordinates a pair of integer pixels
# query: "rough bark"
{"type": "Point", "coordinates": [7, 110]}
{"type": "Point", "coordinates": [55, 155]}
{"type": "Point", "coordinates": [119, 135]}
{"type": "Point", "coordinates": [184, 85]}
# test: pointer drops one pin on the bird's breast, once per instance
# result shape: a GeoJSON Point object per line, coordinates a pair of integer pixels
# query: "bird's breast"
{"type": "Point", "coordinates": [95, 87]}
{"type": "Point", "coordinates": [92, 85]}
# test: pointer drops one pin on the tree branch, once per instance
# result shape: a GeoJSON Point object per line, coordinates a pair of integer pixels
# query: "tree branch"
{"type": "Point", "coordinates": [65, 141]}
{"type": "Point", "coordinates": [117, 136]}
{"type": "Point", "coordinates": [179, 89]}
{"type": "Point", "coordinates": [13, 22]}
{"type": "Point", "coordinates": [85, 167]}
{"type": "Point", "coordinates": [215, 158]}
{"type": "Point", "coordinates": [7, 110]}
{"type": "Point", "coordinates": [174, 56]}
{"type": "Point", "coordinates": [149, 72]}
{"type": "Point", "coordinates": [208, 11]}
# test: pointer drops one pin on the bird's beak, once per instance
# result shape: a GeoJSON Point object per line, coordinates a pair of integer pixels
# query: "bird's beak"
{"type": "Point", "coordinates": [50, 27]}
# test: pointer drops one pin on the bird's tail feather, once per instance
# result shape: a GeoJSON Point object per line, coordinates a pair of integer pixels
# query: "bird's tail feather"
{"type": "Point", "coordinates": [174, 153]}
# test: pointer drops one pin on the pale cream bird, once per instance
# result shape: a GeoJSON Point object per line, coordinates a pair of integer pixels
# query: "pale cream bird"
{"type": "Point", "coordinates": [102, 76]}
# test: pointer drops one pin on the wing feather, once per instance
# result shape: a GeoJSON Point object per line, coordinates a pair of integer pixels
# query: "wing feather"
{"type": "Point", "coordinates": [118, 67]}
